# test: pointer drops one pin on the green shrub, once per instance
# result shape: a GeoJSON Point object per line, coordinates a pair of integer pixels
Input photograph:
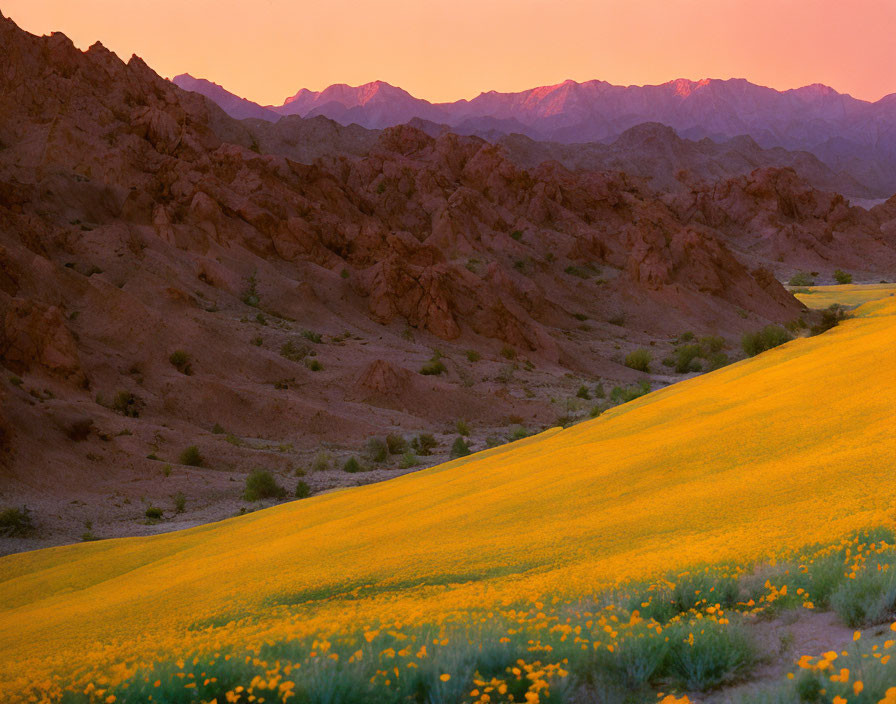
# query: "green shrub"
{"type": "Point", "coordinates": [218, 429]}
{"type": "Point", "coordinates": [433, 367]}
{"type": "Point", "coordinates": [293, 350]}
{"type": "Point", "coordinates": [424, 444]}
{"type": "Point", "coordinates": [841, 277]}
{"type": "Point", "coordinates": [508, 352]}
{"type": "Point", "coordinates": [473, 356]}
{"type": "Point", "coordinates": [166, 470]}
{"type": "Point", "coordinates": [191, 456]}
{"type": "Point", "coordinates": [181, 361]}
{"type": "Point", "coordinates": [15, 522]}
{"type": "Point", "coordinates": [314, 365]}
{"type": "Point", "coordinates": [518, 433]}
{"type": "Point", "coordinates": [599, 390]}
{"type": "Point", "coordinates": [770, 336]}
{"type": "Point", "coordinates": [596, 410]}
{"type": "Point", "coordinates": [180, 502]}
{"type": "Point", "coordinates": [517, 235]}
{"type": "Point", "coordinates": [459, 448]}
{"type": "Point", "coordinates": [311, 336]}
{"type": "Point", "coordinates": [257, 341]}
{"type": "Point", "coordinates": [154, 513]}
{"type": "Point", "coordinates": [583, 393]}
{"type": "Point", "coordinates": [830, 318]}
{"type": "Point", "coordinates": [801, 279]}
{"type": "Point", "coordinates": [408, 460]}
{"type": "Point", "coordinates": [624, 394]}
{"type": "Point", "coordinates": [322, 461]}
{"type": "Point", "coordinates": [376, 450]}
{"type": "Point", "coordinates": [260, 484]}
{"type": "Point", "coordinates": [462, 427]}
{"type": "Point", "coordinates": [710, 344]}
{"type": "Point", "coordinates": [639, 360]}
{"type": "Point", "coordinates": [127, 404]}
{"type": "Point", "coordinates": [396, 444]}
{"type": "Point", "coordinates": [303, 490]}
{"type": "Point", "coordinates": [352, 466]}
{"type": "Point", "coordinates": [685, 359]}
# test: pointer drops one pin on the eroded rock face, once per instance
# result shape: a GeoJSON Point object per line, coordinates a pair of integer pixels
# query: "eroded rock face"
{"type": "Point", "coordinates": [35, 335]}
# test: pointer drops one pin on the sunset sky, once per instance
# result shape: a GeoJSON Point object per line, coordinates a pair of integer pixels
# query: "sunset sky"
{"type": "Point", "coordinates": [265, 50]}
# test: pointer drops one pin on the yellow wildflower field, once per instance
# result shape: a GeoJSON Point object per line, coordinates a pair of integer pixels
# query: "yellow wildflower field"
{"type": "Point", "coordinates": [792, 447]}
{"type": "Point", "coordinates": [819, 297]}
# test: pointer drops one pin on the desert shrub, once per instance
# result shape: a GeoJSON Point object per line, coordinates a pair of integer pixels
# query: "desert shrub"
{"type": "Point", "coordinates": [770, 336]}
{"type": "Point", "coordinates": [716, 360]}
{"type": "Point", "coordinates": [639, 360]}
{"type": "Point", "coordinates": [15, 521]}
{"type": "Point", "coordinates": [462, 428]}
{"type": "Point", "coordinates": [867, 599]}
{"type": "Point", "coordinates": [258, 341]}
{"type": "Point", "coordinates": [314, 365]}
{"type": "Point", "coordinates": [303, 490]}
{"type": "Point", "coordinates": [352, 466]}
{"type": "Point", "coordinates": [685, 359]}
{"type": "Point", "coordinates": [191, 456]}
{"type": "Point", "coordinates": [433, 367]}
{"type": "Point", "coordinates": [408, 459]}
{"type": "Point", "coordinates": [473, 356]}
{"type": "Point", "coordinates": [250, 295]}
{"type": "Point", "coordinates": [154, 513]}
{"type": "Point", "coordinates": [710, 344]}
{"type": "Point", "coordinates": [180, 502]}
{"type": "Point", "coordinates": [517, 235]}
{"type": "Point", "coordinates": [518, 433]}
{"type": "Point", "coordinates": [596, 410]}
{"type": "Point", "coordinates": [344, 273]}
{"type": "Point", "coordinates": [88, 535]}
{"type": "Point", "coordinates": [311, 336]}
{"type": "Point", "coordinates": [508, 352]}
{"type": "Point", "coordinates": [707, 654]}
{"type": "Point", "coordinates": [841, 277]}
{"type": "Point", "coordinates": [624, 394]}
{"type": "Point", "coordinates": [583, 393]}
{"type": "Point", "coordinates": [830, 318]}
{"type": "Point", "coordinates": [459, 448]}
{"type": "Point", "coordinates": [260, 484]}
{"type": "Point", "coordinates": [181, 361]}
{"type": "Point", "coordinates": [166, 470]}
{"type": "Point", "coordinates": [599, 391]}
{"type": "Point", "coordinates": [424, 444]}
{"type": "Point", "coordinates": [376, 450]}
{"type": "Point", "coordinates": [293, 350]}
{"type": "Point", "coordinates": [321, 461]}
{"type": "Point", "coordinates": [79, 429]}
{"type": "Point", "coordinates": [801, 279]}
{"type": "Point", "coordinates": [218, 429]}
{"type": "Point", "coordinates": [127, 404]}
{"type": "Point", "coordinates": [396, 444]}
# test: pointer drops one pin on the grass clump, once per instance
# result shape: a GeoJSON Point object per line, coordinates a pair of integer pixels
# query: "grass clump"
{"type": "Point", "coordinates": [294, 351]}
{"type": "Point", "coordinates": [376, 450]}
{"type": "Point", "coordinates": [352, 466]}
{"type": "Point", "coordinates": [424, 444]}
{"type": "Point", "coordinates": [321, 461]}
{"type": "Point", "coordinates": [260, 484]}
{"type": "Point", "coordinates": [311, 336]}
{"type": "Point", "coordinates": [127, 404]}
{"type": "Point", "coordinates": [473, 356]}
{"type": "Point", "coordinates": [15, 522]}
{"type": "Point", "coordinates": [462, 428]}
{"type": "Point", "coordinates": [180, 502]}
{"type": "Point", "coordinates": [408, 459]}
{"type": "Point", "coordinates": [181, 361]}
{"type": "Point", "coordinates": [639, 360]}
{"type": "Point", "coordinates": [303, 490]}
{"type": "Point", "coordinates": [191, 456]}
{"type": "Point", "coordinates": [154, 513]}
{"type": "Point", "coordinates": [459, 448]}
{"type": "Point", "coordinates": [396, 444]}
{"type": "Point", "coordinates": [314, 365]}
{"type": "Point", "coordinates": [770, 336]}
{"type": "Point", "coordinates": [433, 367]}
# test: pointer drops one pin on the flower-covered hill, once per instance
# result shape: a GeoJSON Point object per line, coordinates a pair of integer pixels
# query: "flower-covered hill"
{"type": "Point", "coordinates": [789, 448]}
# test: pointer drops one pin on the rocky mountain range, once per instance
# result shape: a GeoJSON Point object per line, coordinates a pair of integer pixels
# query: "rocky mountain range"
{"type": "Point", "coordinates": [852, 137]}
{"type": "Point", "coordinates": [172, 277]}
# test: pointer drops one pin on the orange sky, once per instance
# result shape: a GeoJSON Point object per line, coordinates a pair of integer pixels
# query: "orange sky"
{"type": "Point", "coordinates": [266, 50]}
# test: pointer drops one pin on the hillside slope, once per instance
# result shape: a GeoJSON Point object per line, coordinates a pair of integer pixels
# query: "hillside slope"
{"type": "Point", "coordinates": [654, 484]}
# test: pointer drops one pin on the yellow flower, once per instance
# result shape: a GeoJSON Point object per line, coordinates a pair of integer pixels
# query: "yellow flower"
{"type": "Point", "coordinates": [445, 677]}
{"type": "Point", "coordinates": [857, 687]}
